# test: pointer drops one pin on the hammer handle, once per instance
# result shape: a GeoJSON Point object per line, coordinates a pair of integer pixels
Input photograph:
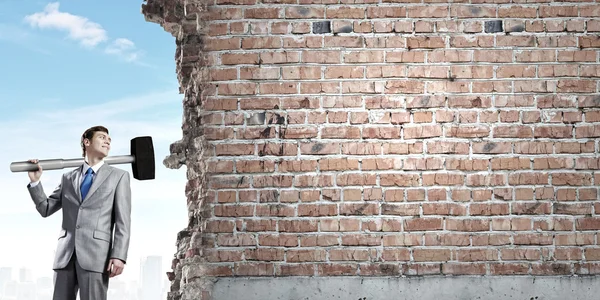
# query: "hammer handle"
{"type": "Point", "coordinates": [55, 164]}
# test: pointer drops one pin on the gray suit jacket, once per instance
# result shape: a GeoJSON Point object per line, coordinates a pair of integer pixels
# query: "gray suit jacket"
{"type": "Point", "coordinates": [88, 226]}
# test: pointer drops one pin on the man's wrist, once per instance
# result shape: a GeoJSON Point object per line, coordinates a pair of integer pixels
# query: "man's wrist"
{"type": "Point", "coordinates": [118, 259]}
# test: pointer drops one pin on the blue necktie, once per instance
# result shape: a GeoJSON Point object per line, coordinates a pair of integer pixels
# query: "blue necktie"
{"type": "Point", "coordinates": [87, 182]}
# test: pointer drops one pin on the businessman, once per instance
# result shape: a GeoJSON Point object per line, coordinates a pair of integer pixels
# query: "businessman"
{"type": "Point", "coordinates": [95, 199]}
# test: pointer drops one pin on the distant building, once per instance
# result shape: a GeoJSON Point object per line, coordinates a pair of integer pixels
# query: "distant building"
{"type": "Point", "coordinates": [25, 275]}
{"type": "Point", "coordinates": [119, 289]}
{"type": "Point", "coordinates": [11, 289]}
{"type": "Point", "coordinates": [45, 288]}
{"type": "Point", "coordinates": [26, 291]}
{"type": "Point", "coordinates": [166, 288]}
{"type": "Point", "coordinates": [5, 277]}
{"type": "Point", "coordinates": [151, 279]}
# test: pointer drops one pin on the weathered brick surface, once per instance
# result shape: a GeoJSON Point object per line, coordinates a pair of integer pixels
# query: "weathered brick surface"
{"type": "Point", "coordinates": [406, 138]}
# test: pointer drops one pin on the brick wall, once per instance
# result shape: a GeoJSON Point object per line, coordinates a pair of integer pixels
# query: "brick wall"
{"type": "Point", "coordinates": [396, 137]}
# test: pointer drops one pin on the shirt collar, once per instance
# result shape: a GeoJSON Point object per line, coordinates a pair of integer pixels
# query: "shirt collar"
{"type": "Point", "coordinates": [96, 167]}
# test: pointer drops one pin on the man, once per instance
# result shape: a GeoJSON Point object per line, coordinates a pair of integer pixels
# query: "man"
{"type": "Point", "coordinates": [95, 199]}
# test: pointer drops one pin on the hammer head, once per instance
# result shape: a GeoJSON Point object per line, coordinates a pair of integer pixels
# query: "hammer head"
{"type": "Point", "coordinates": [143, 151]}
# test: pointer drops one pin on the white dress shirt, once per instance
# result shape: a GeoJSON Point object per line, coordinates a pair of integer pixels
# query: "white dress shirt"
{"type": "Point", "coordinates": [86, 166]}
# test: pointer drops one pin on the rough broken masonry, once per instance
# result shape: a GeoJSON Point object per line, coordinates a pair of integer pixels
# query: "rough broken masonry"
{"type": "Point", "coordinates": [394, 142]}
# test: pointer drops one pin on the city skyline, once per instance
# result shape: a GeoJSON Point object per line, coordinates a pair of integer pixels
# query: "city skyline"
{"type": "Point", "coordinates": [133, 271]}
{"type": "Point", "coordinates": [150, 284]}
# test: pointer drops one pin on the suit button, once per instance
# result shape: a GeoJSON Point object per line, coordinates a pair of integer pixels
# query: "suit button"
{"type": "Point", "coordinates": [77, 227]}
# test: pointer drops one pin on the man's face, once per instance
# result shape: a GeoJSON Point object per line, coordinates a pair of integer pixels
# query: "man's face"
{"type": "Point", "coordinates": [99, 145]}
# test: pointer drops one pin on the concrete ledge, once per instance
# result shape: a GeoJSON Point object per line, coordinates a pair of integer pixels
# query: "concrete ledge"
{"type": "Point", "coordinates": [418, 288]}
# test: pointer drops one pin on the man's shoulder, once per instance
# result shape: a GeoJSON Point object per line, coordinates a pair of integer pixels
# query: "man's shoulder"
{"type": "Point", "coordinates": [116, 171]}
{"type": "Point", "coordinates": [72, 172]}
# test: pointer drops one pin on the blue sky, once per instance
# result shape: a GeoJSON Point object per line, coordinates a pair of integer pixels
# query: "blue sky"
{"type": "Point", "coordinates": [62, 63]}
{"type": "Point", "coordinates": [70, 65]}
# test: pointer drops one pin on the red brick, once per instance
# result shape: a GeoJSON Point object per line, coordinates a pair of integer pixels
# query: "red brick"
{"type": "Point", "coordinates": [423, 224]}
{"type": "Point", "coordinates": [361, 27]}
{"type": "Point", "coordinates": [393, 254]}
{"type": "Point", "coordinates": [405, 56]}
{"type": "Point", "coordinates": [515, 71]}
{"type": "Point", "coordinates": [278, 88]}
{"type": "Point", "coordinates": [301, 73]}
{"type": "Point", "coordinates": [322, 57]}
{"type": "Point", "coordinates": [520, 254]}
{"type": "Point", "coordinates": [295, 269]}
{"type": "Point", "coordinates": [517, 12]}
{"type": "Point", "coordinates": [467, 131]}
{"type": "Point", "coordinates": [467, 11]}
{"type": "Point", "coordinates": [344, 41]}
{"type": "Point", "coordinates": [271, 210]}
{"type": "Point", "coordinates": [356, 179]}
{"type": "Point", "coordinates": [400, 209]}
{"type": "Point", "coordinates": [425, 42]}
{"type": "Point", "coordinates": [546, 11]}
{"type": "Point", "coordinates": [381, 132]}
{"type": "Point", "coordinates": [279, 57]}
{"type": "Point", "coordinates": [305, 255]}
{"type": "Point", "coordinates": [514, 131]}
{"type": "Point", "coordinates": [349, 239]}
{"type": "Point", "coordinates": [304, 12]}
{"type": "Point", "coordinates": [470, 42]}
{"type": "Point", "coordinates": [533, 147]}
{"type": "Point", "coordinates": [428, 71]}
{"type": "Point", "coordinates": [371, 56]}
{"type": "Point", "coordinates": [237, 89]}
{"type": "Point", "coordinates": [345, 12]}
{"type": "Point", "coordinates": [344, 72]}
{"type": "Point", "coordinates": [322, 240]}
{"type": "Point", "coordinates": [297, 226]}
{"type": "Point", "coordinates": [337, 269]}
{"type": "Point", "coordinates": [444, 147]}
{"type": "Point", "coordinates": [427, 11]}
{"type": "Point", "coordinates": [362, 148]}
{"type": "Point", "coordinates": [509, 268]}
{"type": "Point", "coordinates": [464, 269]}
{"type": "Point", "coordinates": [467, 225]}
{"type": "Point", "coordinates": [571, 179]}
{"type": "Point", "coordinates": [496, 56]}
{"type": "Point", "coordinates": [423, 131]}
{"type": "Point", "coordinates": [349, 255]}
{"type": "Point", "coordinates": [431, 254]}
{"type": "Point", "coordinates": [313, 181]}
{"type": "Point", "coordinates": [578, 86]}
{"type": "Point", "coordinates": [532, 239]}
{"type": "Point", "coordinates": [254, 269]}
{"type": "Point", "coordinates": [472, 72]}
{"type": "Point", "coordinates": [386, 12]}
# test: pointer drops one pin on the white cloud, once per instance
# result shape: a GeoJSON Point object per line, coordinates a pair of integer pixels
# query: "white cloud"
{"type": "Point", "coordinates": [55, 134]}
{"type": "Point", "coordinates": [124, 49]}
{"type": "Point", "coordinates": [88, 33]}
{"type": "Point", "coordinates": [113, 108]}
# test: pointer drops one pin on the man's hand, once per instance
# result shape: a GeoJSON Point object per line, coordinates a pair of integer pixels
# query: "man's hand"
{"type": "Point", "coordinates": [35, 175]}
{"type": "Point", "coordinates": [115, 267]}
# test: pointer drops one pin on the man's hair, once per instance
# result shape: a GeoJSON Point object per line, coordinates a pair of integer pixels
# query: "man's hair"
{"type": "Point", "coordinates": [89, 134]}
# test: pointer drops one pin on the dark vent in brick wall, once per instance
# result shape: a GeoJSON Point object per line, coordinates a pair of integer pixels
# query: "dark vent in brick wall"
{"type": "Point", "coordinates": [493, 26]}
{"type": "Point", "coordinates": [322, 27]}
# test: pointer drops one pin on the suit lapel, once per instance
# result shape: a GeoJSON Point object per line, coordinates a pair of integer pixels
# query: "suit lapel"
{"type": "Point", "coordinates": [75, 180]}
{"type": "Point", "coordinates": [102, 174]}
